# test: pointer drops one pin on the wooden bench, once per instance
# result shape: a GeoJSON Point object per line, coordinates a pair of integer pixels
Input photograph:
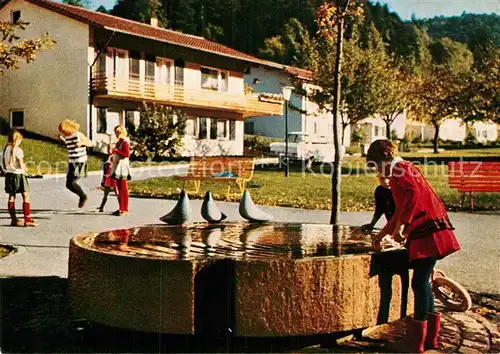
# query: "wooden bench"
{"type": "Point", "coordinates": [238, 170]}
{"type": "Point", "coordinates": [474, 176]}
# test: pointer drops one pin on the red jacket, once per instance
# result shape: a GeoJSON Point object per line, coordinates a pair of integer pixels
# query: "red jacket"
{"type": "Point", "coordinates": [430, 233]}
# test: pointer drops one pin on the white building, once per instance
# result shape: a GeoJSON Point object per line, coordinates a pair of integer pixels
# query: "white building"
{"type": "Point", "coordinates": [133, 63]}
{"type": "Point", "coordinates": [454, 129]}
{"type": "Point", "coordinates": [375, 128]}
{"type": "Point", "coordinates": [303, 114]}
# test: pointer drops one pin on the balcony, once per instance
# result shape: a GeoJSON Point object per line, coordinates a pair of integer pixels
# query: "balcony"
{"type": "Point", "coordinates": [250, 105]}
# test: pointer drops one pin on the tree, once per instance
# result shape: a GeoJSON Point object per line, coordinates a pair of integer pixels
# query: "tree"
{"type": "Point", "coordinates": [159, 134]}
{"type": "Point", "coordinates": [140, 10]}
{"type": "Point", "coordinates": [394, 93]}
{"type": "Point", "coordinates": [479, 99]}
{"type": "Point", "coordinates": [82, 3]}
{"type": "Point", "coordinates": [332, 20]}
{"type": "Point", "coordinates": [291, 47]}
{"type": "Point", "coordinates": [13, 49]}
{"type": "Point", "coordinates": [103, 10]}
{"type": "Point", "coordinates": [440, 86]}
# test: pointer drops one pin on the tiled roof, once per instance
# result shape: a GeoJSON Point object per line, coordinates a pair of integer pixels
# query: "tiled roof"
{"type": "Point", "coordinates": [147, 31]}
{"type": "Point", "coordinates": [144, 30]}
{"type": "Point", "coordinates": [299, 73]}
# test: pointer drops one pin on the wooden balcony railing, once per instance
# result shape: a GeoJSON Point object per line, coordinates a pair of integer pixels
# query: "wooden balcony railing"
{"type": "Point", "coordinates": [248, 104]}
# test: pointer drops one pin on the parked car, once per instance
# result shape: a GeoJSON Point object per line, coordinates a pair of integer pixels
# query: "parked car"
{"type": "Point", "coordinates": [304, 147]}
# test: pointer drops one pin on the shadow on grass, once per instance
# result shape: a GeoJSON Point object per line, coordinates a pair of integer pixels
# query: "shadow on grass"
{"type": "Point", "coordinates": [36, 318]}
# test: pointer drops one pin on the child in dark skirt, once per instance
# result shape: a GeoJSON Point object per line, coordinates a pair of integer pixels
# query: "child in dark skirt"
{"type": "Point", "coordinates": [15, 179]}
{"type": "Point", "coordinates": [108, 183]}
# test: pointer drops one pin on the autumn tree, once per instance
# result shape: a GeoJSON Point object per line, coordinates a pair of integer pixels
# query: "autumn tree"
{"type": "Point", "coordinates": [479, 98]}
{"type": "Point", "coordinates": [332, 21]}
{"type": "Point", "coordinates": [14, 50]}
{"type": "Point", "coordinates": [441, 84]}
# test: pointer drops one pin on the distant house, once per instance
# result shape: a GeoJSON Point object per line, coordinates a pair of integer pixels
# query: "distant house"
{"type": "Point", "coordinates": [374, 128]}
{"type": "Point", "coordinates": [303, 114]}
{"type": "Point", "coordinates": [103, 67]}
{"type": "Point", "coordinates": [454, 129]}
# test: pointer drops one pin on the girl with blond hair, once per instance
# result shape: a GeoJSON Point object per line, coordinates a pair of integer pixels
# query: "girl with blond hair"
{"type": "Point", "coordinates": [76, 143]}
{"type": "Point", "coordinates": [15, 179]}
{"type": "Point", "coordinates": [121, 169]}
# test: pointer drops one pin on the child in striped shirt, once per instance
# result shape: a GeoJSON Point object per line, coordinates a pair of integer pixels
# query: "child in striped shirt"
{"type": "Point", "coordinates": [76, 143]}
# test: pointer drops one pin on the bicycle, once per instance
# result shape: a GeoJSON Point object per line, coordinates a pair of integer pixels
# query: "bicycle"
{"type": "Point", "coordinates": [453, 295]}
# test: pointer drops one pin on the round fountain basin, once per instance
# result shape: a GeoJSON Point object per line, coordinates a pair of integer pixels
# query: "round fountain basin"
{"type": "Point", "coordinates": [276, 279]}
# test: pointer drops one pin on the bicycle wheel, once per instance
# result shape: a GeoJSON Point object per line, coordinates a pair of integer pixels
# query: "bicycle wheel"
{"type": "Point", "coordinates": [453, 295]}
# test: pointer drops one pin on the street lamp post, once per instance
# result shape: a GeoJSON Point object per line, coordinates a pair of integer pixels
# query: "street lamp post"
{"type": "Point", "coordinates": [287, 93]}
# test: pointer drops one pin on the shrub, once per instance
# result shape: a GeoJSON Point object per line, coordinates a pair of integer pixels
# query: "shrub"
{"type": "Point", "coordinates": [254, 144]}
{"type": "Point", "coordinates": [470, 138]}
{"type": "Point", "coordinates": [358, 135]}
{"type": "Point", "coordinates": [159, 134]}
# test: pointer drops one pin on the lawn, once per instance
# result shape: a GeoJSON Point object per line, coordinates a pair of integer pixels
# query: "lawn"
{"type": "Point", "coordinates": [457, 153]}
{"type": "Point", "coordinates": [312, 190]}
{"type": "Point", "coordinates": [42, 157]}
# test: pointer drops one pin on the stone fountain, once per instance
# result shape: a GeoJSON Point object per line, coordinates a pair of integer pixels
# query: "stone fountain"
{"type": "Point", "coordinates": [265, 280]}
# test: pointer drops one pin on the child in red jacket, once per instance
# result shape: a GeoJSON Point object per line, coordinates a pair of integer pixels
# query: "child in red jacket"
{"type": "Point", "coordinates": [421, 221]}
{"type": "Point", "coordinates": [120, 170]}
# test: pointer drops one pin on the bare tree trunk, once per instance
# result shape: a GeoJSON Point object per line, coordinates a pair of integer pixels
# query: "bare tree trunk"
{"type": "Point", "coordinates": [436, 137]}
{"type": "Point", "coordinates": [336, 175]}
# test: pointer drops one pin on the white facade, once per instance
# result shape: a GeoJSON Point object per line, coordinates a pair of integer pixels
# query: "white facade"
{"type": "Point", "coordinates": [454, 129]}
{"type": "Point", "coordinates": [375, 127]}
{"type": "Point", "coordinates": [485, 132]}
{"type": "Point", "coordinates": [303, 115]}
{"type": "Point", "coordinates": [55, 86]}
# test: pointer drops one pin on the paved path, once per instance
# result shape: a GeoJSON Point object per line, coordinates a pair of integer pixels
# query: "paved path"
{"type": "Point", "coordinates": [35, 299]}
{"type": "Point", "coordinates": [43, 250]}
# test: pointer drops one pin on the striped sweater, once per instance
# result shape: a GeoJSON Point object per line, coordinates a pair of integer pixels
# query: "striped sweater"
{"type": "Point", "coordinates": [76, 153]}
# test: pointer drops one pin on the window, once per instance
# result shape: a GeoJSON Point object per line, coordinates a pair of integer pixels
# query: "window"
{"type": "Point", "coordinates": [232, 130]}
{"type": "Point", "coordinates": [221, 129]}
{"type": "Point", "coordinates": [101, 63]}
{"type": "Point", "coordinates": [179, 73]}
{"type": "Point", "coordinates": [132, 120]}
{"type": "Point", "coordinates": [16, 16]}
{"type": "Point", "coordinates": [213, 128]}
{"type": "Point", "coordinates": [315, 128]}
{"type": "Point", "coordinates": [101, 120]}
{"type": "Point", "coordinates": [190, 127]}
{"type": "Point", "coordinates": [150, 68]}
{"type": "Point", "coordinates": [202, 134]}
{"type": "Point", "coordinates": [113, 118]}
{"type": "Point", "coordinates": [212, 79]}
{"type": "Point", "coordinates": [485, 134]}
{"type": "Point", "coordinates": [164, 70]}
{"type": "Point", "coordinates": [134, 64]}
{"type": "Point", "coordinates": [17, 119]}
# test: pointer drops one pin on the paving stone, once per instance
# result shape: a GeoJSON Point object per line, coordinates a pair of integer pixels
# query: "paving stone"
{"type": "Point", "coordinates": [469, 350]}
{"type": "Point", "coordinates": [476, 345]}
{"type": "Point", "coordinates": [447, 347]}
{"type": "Point", "coordinates": [482, 337]}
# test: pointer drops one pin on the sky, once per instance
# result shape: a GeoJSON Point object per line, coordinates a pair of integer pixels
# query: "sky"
{"type": "Point", "coordinates": [405, 8]}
